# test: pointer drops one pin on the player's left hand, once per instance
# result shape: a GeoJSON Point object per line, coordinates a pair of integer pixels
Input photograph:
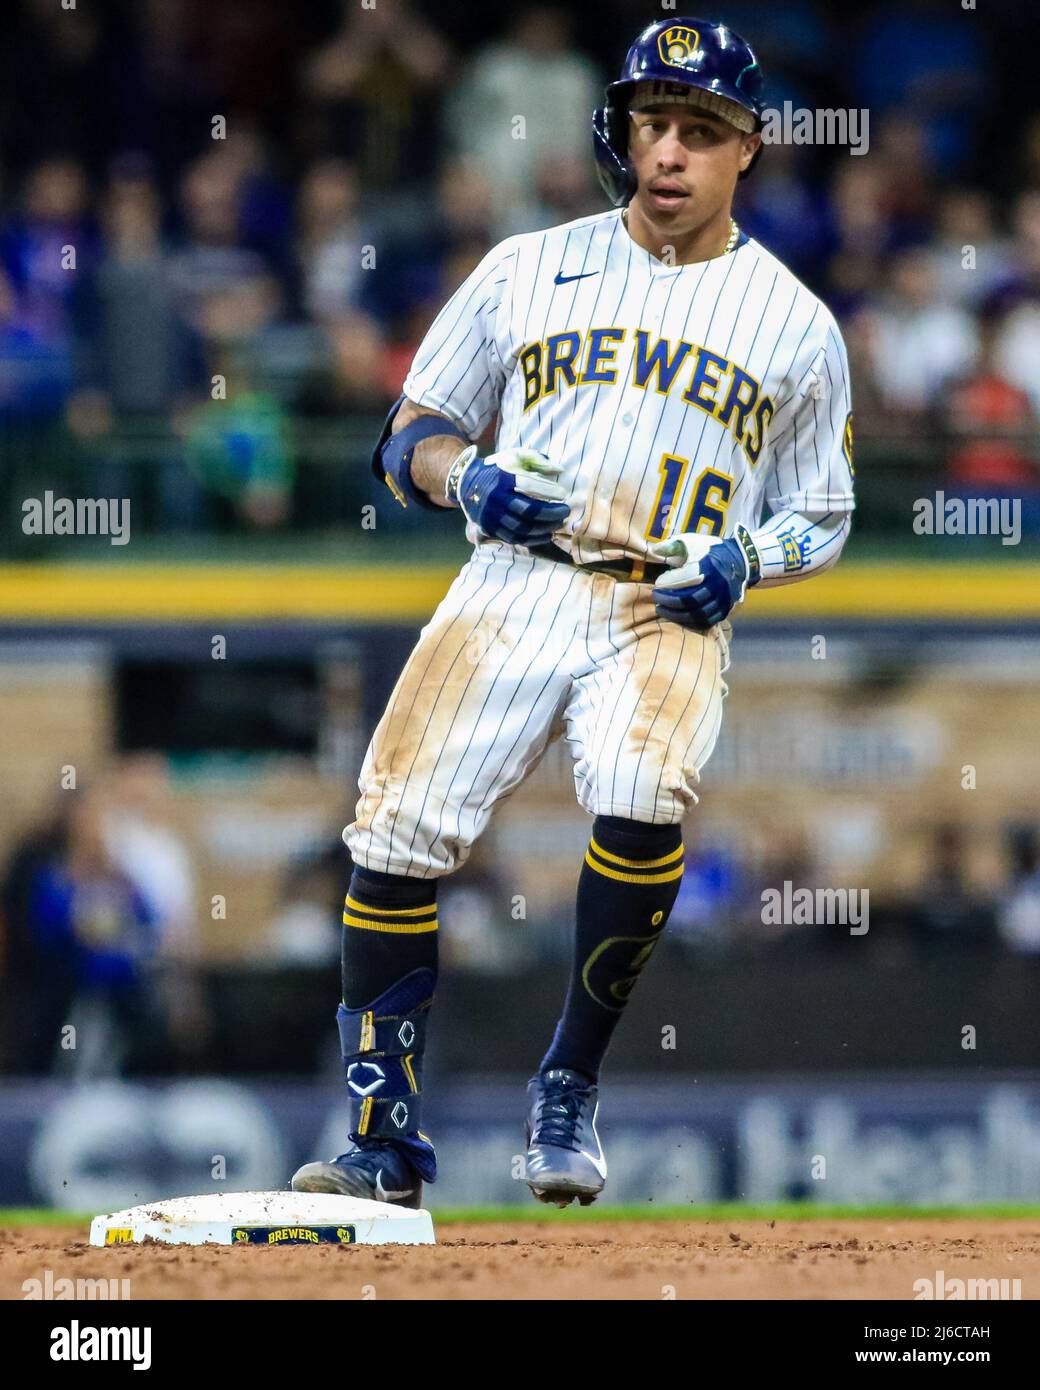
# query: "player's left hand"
{"type": "Point", "coordinates": [710, 577]}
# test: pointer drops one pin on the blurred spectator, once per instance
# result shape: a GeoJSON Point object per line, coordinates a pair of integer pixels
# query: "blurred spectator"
{"type": "Point", "coordinates": [45, 248]}
{"type": "Point", "coordinates": [49, 244]}
{"type": "Point", "coordinates": [142, 843]}
{"type": "Point", "coordinates": [788, 212]}
{"type": "Point", "coordinates": [1018, 352]}
{"type": "Point", "coordinates": [38, 986]}
{"type": "Point", "coordinates": [873, 419]}
{"type": "Point", "coordinates": [484, 934]}
{"type": "Point", "coordinates": [307, 927]}
{"type": "Point", "coordinates": [138, 356]}
{"type": "Point", "coordinates": [995, 420]}
{"type": "Point", "coordinates": [265, 199]}
{"type": "Point", "coordinates": [1024, 270]}
{"type": "Point", "coordinates": [330, 239]}
{"type": "Point", "coordinates": [371, 91]}
{"type": "Point", "coordinates": [358, 355]}
{"type": "Point", "coordinates": [946, 913]}
{"type": "Point", "coordinates": [36, 373]}
{"type": "Point", "coordinates": [919, 343]}
{"type": "Point", "coordinates": [862, 230]}
{"type": "Point", "coordinates": [1018, 915]}
{"type": "Point", "coordinates": [238, 447]}
{"type": "Point", "coordinates": [899, 149]}
{"type": "Point", "coordinates": [210, 258]}
{"type": "Point", "coordinates": [786, 858]}
{"type": "Point", "coordinates": [966, 227]}
{"type": "Point", "coordinates": [705, 912]}
{"type": "Point", "coordinates": [533, 76]}
{"type": "Point", "coordinates": [422, 268]}
{"type": "Point", "coordinates": [331, 260]}
{"type": "Point", "coordinates": [82, 909]}
{"type": "Point", "coordinates": [564, 189]}
{"type": "Point", "coordinates": [236, 319]}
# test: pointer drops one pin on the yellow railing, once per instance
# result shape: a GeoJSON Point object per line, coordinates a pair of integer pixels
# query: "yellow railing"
{"type": "Point", "coordinates": [866, 591]}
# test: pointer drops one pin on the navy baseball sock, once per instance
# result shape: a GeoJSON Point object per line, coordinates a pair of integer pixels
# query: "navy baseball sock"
{"type": "Point", "coordinates": [628, 886]}
{"type": "Point", "coordinates": [389, 976]}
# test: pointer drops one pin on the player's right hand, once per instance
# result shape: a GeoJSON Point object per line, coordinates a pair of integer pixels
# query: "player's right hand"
{"type": "Point", "coordinates": [514, 495]}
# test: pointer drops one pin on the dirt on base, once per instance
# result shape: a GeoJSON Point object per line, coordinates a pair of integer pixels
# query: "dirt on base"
{"type": "Point", "coordinates": [608, 1260]}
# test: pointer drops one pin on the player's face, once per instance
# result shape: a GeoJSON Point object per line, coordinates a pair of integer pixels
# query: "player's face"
{"type": "Point", "coordinates": [687, 163]}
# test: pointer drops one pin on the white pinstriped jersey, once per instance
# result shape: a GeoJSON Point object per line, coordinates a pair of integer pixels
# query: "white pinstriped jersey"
{"type": "Point", "coordinates": [676, 398]}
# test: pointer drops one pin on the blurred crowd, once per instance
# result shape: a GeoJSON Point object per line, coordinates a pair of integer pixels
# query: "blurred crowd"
{"type": "Point", "coordinates": [104, 968]}
{"type": "Point", "coordinates": [279, 199]}
{"type": "Point", "coordinates": [722, 907]}
{"type": "Point", "coordinates": [720, 911]}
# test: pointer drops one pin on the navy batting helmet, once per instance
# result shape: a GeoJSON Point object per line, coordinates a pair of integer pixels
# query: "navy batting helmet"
{"type": "Point", "coordinates": [671, 57]}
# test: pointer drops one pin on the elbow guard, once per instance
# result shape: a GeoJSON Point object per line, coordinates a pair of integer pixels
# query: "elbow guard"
{"type": "Point", "coordinates": [392, 457]}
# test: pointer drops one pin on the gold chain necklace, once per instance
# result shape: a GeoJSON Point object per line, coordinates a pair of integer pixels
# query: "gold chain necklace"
{"type": "Point", "coordinates": [731, 244]}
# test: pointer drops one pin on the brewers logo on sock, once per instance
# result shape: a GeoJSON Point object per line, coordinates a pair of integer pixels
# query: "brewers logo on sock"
{"type": "Point", "coordinates": [611, 971]}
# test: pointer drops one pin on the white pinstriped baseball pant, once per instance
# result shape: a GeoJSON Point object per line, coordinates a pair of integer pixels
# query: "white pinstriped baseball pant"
{"type": "Point", "coordinates": [520, 651]}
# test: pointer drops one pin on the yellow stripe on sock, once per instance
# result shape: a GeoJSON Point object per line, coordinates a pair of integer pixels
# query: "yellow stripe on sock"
{"type": "Point", "coordinates": [636, 863]}
{"type": "Point", "coordinates": [390, 911]}
{"type": "Point", "coordinates": [667, 877]}
{"type": "Point", "coordinates": [409, 928]}
{"type": "Point", "coordinates": [366, 1114]}
{"type": "Point", "coordinates": [406, 1063]}
{"type": "Point", "coordinates": [368, 1032]}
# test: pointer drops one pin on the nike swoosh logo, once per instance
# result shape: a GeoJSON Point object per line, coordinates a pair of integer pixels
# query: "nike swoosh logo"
{"type": "Point", "coordinates": [562, 279]}
{"type": "Point", "coordinates": [383, 1196]}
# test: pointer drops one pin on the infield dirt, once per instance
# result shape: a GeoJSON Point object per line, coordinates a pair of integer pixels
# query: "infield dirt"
{"type": "Point", "coordinates": [593, 1260]}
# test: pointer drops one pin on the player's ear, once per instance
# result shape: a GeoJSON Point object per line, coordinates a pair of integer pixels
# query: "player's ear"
{"type": "Point", "coordinates": [749, 148]}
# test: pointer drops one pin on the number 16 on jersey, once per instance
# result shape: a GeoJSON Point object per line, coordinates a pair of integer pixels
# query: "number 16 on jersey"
{"type": "Point", "coordinates": [708, 502]}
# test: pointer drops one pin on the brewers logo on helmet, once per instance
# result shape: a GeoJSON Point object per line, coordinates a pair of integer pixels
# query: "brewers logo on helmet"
{"type": "Point", "coordinates": [677, 42]}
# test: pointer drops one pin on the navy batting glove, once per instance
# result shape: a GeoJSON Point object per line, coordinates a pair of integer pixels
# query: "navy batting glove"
{"type": "Point", "coordinates": [711, 579]}
{"type": "Point", "coordinates": [513, 495]}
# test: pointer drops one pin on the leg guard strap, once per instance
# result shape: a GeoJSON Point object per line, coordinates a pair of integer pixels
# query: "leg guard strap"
{"type": "Point", "coordinates": [396, 1036]}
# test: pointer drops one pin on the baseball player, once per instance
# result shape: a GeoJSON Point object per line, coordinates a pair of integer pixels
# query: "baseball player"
{"type": "Point", "coordinates": [673, 430]}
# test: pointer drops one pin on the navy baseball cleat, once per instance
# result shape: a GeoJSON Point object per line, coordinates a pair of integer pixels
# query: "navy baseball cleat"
{"type": "Point", "coordinates": [378, 1172]}
{"type": "Point", "coordinates": [564, 1157]}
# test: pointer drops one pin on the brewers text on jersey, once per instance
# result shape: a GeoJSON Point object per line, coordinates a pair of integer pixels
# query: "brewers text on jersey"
{"type": "Point", "coordinates": [674, 397]}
